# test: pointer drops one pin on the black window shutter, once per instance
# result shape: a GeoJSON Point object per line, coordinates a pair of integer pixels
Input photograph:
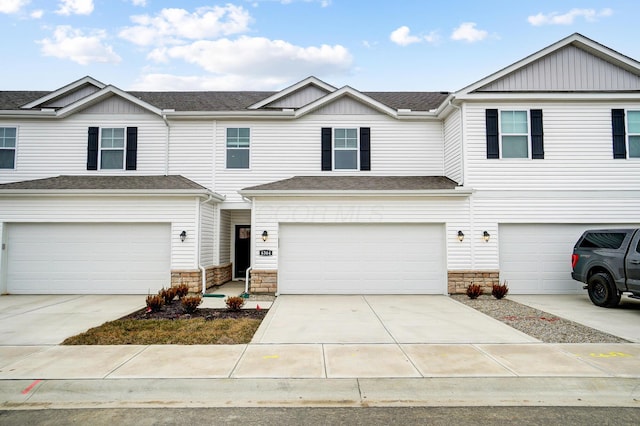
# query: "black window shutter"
{"type": "Point", "coordinates": [326, 148]}
{"type": "Point", "coordinates": [619, 136]}
{"type": "Point", "coordinates": [92, 149]}
{"type": "Point", "coordinates": [132, 148]}
{"type": "Point", "coordinates": [493, 143]}
{"type": "Point", "coordinates": [365, 148]}
{"type": "Point", "coordinates": [537, 135]}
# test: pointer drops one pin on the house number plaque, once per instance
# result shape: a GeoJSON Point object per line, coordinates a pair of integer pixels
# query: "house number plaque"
{"type": "Point", "coordinates": [266, 253]}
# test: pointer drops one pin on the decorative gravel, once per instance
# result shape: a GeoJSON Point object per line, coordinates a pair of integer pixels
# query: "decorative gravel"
{"type": "Point", "coordinates": [536, 323]}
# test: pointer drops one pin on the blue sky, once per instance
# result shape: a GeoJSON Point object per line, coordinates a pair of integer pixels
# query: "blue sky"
{"type": "Point", "coordinates": [414, 45]}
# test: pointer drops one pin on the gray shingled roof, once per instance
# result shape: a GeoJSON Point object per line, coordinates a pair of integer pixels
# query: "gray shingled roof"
{"type": "Point", "coordinates": [234, 101]}
{"type": "Point", "coordinates": [358, 183]}
{"type": "Point", "coordinates": [173, 182]}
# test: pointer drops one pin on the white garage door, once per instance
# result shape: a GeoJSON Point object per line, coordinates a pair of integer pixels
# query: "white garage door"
{"type": "Point", "coordinates": [536, 258]}
{"type": "Point", "coordinates": [87, 258]}
{"type": "Point", "coordinates": [362, 259]}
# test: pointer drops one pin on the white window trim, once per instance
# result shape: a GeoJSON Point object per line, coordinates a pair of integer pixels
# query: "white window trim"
{"type": "Point", "coordinates": [334, 149]}
{"type": "Point", "coordinates": [123, 149]}
{"type": "Point", "coordinates": [527, 111]}
{"type": "Point", "coordinates": [15, 148]}
{"type": "Point", "coordinates": [628, 134]}
{"type": "Point", "coordinates": [226, 148]}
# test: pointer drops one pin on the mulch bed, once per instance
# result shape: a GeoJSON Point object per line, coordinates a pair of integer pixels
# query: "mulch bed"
{"type": "Point", "coordinates": [175, 311]}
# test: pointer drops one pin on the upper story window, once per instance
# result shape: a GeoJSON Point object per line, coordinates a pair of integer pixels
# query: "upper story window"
{"type": "Point", "coordinates": [8, 147]}
{"type": "Point", "coordinates": [112, 148]}
{"type": "Point", "coordinates": [345, 149]}
{"type": "Point", "coordinates": [238, 147]}
{"type": "Point", "coordinates": [514, 134]}
{"type": "Point", "coordinates": [633, 128]}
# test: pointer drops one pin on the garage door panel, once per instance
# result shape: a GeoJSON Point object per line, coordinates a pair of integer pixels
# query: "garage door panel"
{"type": "Point", "coordinates": [76, 258]}
{"type": "Point", "coordinates": [361, 258]}
{"type": "Point", "coordinates": [536, 258]}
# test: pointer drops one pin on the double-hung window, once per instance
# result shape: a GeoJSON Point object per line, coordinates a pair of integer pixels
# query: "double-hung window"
{"type": "Point", "coordinates": [633, 134]}
{"type": "Point", "coordinates": [112, 146]}
{"type": "Point", "coordinates": [238, 147]}
{"type": "Point", "coordinates": [345, 149]}
{"type": "Point", "coordinates": [8, 147]}
{"type": "Point", "coordinates": [514, 134]}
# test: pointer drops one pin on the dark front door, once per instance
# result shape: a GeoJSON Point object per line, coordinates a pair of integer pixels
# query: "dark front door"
{"type": "Point", "coordinates": [243, 250]}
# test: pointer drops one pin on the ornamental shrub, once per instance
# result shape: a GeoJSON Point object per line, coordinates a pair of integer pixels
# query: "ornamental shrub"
{"type": "Point", "coordinates": [473, 291]}
{"type": "Point", "coordinates": [168, 294]}
{"type": "Point", "coordinates": [500, 291]}
{"type": "Point", "coordinates": [234, 303]}
{"type": "Point", "coordinates": [154, 302]}
{"type": "Point", "coordinates": [191, 303]}
{"type": "Point", "coordinates": [181, 290]}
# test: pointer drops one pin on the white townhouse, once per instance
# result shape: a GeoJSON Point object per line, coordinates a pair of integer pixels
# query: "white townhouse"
{"type": "Point", "coordinates": [317, 189]}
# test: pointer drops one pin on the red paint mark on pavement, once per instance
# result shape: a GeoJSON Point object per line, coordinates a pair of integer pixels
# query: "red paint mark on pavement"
{"type": "Point", "coordinates": [30, 387]}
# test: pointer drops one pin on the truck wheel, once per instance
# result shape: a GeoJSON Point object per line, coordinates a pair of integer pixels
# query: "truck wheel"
{"type": "Point", "coordinates": [602, 291]}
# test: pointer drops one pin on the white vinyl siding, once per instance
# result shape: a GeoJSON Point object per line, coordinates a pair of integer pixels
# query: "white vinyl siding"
{"type": "Point", "coordinates": [280, 150]}
{"type": "Point", "coordinates": [208, 255]}
{"type": "Point", "coordinates": [191, 150]}
{"type": "Point", "coordinates": [577, 146]}
{"type": "Point", "coordinates": [453, 147]}
{"type": "Point", "coordinates": [59, 147]}
{"type": "Point", "coordinates": [225, 237]}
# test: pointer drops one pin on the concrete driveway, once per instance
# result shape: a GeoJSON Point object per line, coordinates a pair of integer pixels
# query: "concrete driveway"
{"type": "Point", "coordinates": [622, 321]}
{"type": "Point", "coordinates": [48, 320]}
{"type": "Point", "coordinates": [380, 319]}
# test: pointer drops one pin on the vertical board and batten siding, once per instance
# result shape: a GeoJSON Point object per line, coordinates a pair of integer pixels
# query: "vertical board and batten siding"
{"type": "Point", "coordinates": [299, 98]}
{"type": "Point", "coordinates": [568, 69]}
{"type": "Point", "coordinates": [115, 105]}
{"type": "Point", "coordinates": [191, 150]}
{"type": "Point", "coordinates": [208, 255]}
{"type": "Point", "coordinates": [347, 106]}
{"type": "Point", "coordinates": [578, 151]}
{"type": "Point", "coordinates": [225, 237]}
{"type": "Point", "coordinates": [180, 212]}
{"type": "Point", "coordinates": [280, 150]}
{"type": "Point", "coordinates": [453, 147]}
{"type": "Point", "coordinates": [270, 212]}
{"type": "Point", "coordinates": [48, 148]}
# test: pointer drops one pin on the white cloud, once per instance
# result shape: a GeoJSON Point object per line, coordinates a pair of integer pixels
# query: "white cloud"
{"type": "Point", "coordinates": [12, 6]}
{"type": "Point", "coordinates": [168, 82]}
{"type": "Point", "coordinates": [467, 31]}
{"type": "Point", "coordinates": [141, 3]}
{"type": "Point", "coordinates": [75, 7]}
{"type": "Point", "coordinates": [72, 44]}
{"type": "Point", "coordinates": [402, 36]}
{"type": "Point", "coordinates": [174, 25]}
{"type": "Point", "coordinates": [259, 57]}
{"type": "Point", "coordinates": [555, 18]}
{"type": "Point", "coordinates": [37, 14]}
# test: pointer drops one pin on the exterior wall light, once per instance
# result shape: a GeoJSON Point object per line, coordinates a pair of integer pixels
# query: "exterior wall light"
{"type": "Point", "coordinates": [183, 236]}
{"type": "Point", "coordinates": [265, 236]}
{"type": "Point", "coordinates": [486, 236]}
{"type": "Point", "coordinates": [460, 236]}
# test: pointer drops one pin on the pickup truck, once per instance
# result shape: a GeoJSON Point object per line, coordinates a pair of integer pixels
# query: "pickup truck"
{"type": "Point", "coordinates": [608, 262]}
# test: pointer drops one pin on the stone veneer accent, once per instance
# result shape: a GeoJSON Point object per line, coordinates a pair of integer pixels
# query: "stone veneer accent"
{"type": "Point", "coordinates": [216, 275]}
{"type": "Point", "coordinates": [263, 281]}
{"type": "Point", "coordinates": [458, 281]}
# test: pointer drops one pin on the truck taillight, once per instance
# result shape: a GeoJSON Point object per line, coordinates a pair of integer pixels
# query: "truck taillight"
{"type": "Point", "coordinates": [574, 260]}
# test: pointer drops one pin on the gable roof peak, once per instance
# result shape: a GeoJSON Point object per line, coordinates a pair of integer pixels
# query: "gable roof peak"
{"type": "Point", "coordinates": [309, 81]}
{"type": "Point", "coordinates": [64, 90]}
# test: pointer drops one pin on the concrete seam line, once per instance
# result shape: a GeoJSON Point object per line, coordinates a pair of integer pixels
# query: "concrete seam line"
{"type": "Point", "coordinates": [235, 366]}
{"type": "Point", "coordinates": [126, 361]}
{"type": "Point", "coordinates": [494, 359]}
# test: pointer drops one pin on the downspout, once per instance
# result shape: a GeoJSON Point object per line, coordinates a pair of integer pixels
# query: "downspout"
{"type": "Point", "coordinates": [166, 144]}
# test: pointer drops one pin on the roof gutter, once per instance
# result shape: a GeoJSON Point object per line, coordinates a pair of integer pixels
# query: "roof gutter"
{"type": "Point", "coordinates": [113, 192]}
{"type": "Point", "coordinates": [456, 192]}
